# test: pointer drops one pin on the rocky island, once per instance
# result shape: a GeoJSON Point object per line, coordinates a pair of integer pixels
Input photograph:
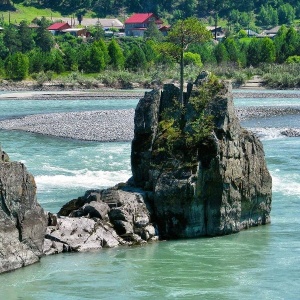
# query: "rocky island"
{"type": "Point", "coordinates": [22, 220]}
{"type": "Point", "coordinates": [196, 172]}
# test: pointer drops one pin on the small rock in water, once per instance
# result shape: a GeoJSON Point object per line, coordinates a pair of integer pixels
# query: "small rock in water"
{"type": "Point", "coordinates": [291, 132]}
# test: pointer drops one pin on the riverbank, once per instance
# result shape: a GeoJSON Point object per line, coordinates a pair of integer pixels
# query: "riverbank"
{"type": "Point", "coordinates": [72, 94]}
{"type": "Point", "coordinates": [114, 125]}
{"type": "Point", "coordinates": [117, 125]}
{"type": "Point", "coordinates": [108, 93]}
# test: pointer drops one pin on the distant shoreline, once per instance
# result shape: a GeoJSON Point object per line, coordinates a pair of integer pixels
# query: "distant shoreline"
{"type": "Point", "coordinates": [110, 125]}
{"type": "Point", "coordinates": [107, 93]}
{"type": "Point", "coordinates": [116, 125]}
{"type": "Point", "coordinates": [72, 94]}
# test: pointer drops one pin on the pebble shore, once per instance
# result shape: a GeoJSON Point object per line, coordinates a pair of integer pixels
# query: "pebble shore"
{"type": "Point", "coordinates": [104, 126]}
{"type": "Point", "coordinates": [109, 126]}
{"type": "Point", "coordinates": [112, 125]}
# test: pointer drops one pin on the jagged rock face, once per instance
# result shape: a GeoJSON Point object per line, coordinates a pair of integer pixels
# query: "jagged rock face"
{"type": "Point", "coordinates": [230, 189]}
{"type": "Point", "coordinates": [22, 220]}
{"type": "Point", "coordinates": [145, 127]}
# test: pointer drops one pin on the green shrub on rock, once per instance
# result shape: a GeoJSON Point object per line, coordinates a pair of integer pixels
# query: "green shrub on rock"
{"type": "Point", "coordinates": [183, 129]}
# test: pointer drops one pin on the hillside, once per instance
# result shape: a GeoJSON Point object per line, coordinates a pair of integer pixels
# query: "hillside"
{"type": "Point", "coordinates": [236, 12]}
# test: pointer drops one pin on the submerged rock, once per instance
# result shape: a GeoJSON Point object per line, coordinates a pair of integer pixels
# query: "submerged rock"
{"type": "Point", "coordinates": [22, 220]}
{"type": "Point", "coordinates": [291, 132]}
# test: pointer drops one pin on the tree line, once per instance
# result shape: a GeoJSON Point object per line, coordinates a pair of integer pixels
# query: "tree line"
{"type": "Point", "coordinates": [25, 51]}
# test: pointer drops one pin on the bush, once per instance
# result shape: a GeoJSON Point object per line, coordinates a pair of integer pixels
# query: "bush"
{"type": "Point", "coordinates": [17, 66]}
{"type": "Point", "coordinates": [295, 59]}
{"type": "Point", "coordinates": [192, 59]}
{"type": "Point", "coordinates": [41, 78]}
{"type": "Point", "coordinates": [49, 75]}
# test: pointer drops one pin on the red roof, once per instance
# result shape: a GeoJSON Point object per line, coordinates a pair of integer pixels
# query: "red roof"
{"type": "Point", "coordinates": [142, 18]}
{"type": "Point", "coordinates": [58, 26]}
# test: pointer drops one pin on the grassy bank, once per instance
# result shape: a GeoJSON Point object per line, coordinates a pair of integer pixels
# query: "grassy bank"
{"type": "Point", "coordinates": [283, 76]}
{"type": "Point", "coordinates": [28, 13]}
{"type": "Point", "coordinates": [273, 76]}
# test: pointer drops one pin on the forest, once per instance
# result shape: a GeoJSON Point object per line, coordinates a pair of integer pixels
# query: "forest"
{"type": "Point", "coordinates": [35, 53]}
{"type": "Point", "coordinates": [170, 10]}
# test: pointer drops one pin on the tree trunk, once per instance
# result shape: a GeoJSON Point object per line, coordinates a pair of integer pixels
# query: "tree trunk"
{"type": "Point", "coordinates": [181, 77]}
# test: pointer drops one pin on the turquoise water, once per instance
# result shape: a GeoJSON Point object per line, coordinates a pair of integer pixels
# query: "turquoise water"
{"type": "Point", "coordinates": [262, 101]}
{"type": "Point", "coordinates": [17, 108]}
{"type": "Point", "coordinates": [64, 169]}
{"type": "Point", "coordinates": [260, 263]}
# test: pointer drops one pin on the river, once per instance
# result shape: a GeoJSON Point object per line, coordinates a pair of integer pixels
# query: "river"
{"type": "Point", "coordinates": [260, 263]}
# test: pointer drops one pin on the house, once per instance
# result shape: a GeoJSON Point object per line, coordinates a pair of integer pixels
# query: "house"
{"type": "Point", "coordinates": [272, 32]}
{"type": "Point", "coordinates": [33, 26]}
{"type": "Point", "coordinates": [86, 22]}
{"type": "Point", "coordinates": [217, 32]}
{"type": "Point", "coordinates": [251, 33]}
{"type": "Point", "coordinates": [138, 23]}
{"type": "Point", "coordinates": [110, 23]}
{"type": "Point", "coordinates": [58, 27]}
{"type": "Point", "coordinates": [75, 31]}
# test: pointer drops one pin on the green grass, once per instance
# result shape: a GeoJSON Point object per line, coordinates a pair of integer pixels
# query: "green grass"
{"type": "Point", "coordinates": [28, 13]}
{"type": "Point", "coordinates": [245, 40]}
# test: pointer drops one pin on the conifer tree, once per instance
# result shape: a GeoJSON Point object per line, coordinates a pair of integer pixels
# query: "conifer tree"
{"type": "Point", "coordinates": [103, 47]}
{"type": "Point", "coordinates": [11, 39]}
{"type": "Point", "coordinates": [117, 59]}
{"type": "Point", "coordinates": [44, 38]}
{"type": "Point", "coordinates": [153, 32]}
{"type": "Point", "coordinates": [26, 37]}
{"type": "Point", "coordinates": [221, 53]}
{"type": "Point", "coordinates": [96, 59]}
{"type": "Point", "coordinates": [184, 33]}
{"type": "Point", "coordinates": [136, 59]}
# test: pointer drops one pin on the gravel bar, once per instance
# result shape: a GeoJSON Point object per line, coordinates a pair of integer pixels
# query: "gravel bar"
{"type": "Point", "coordinates": [265, 95]}
{"type": "Point", "coordinates": [112, 125]}
{"type": "Point", "coordinates": [73, 95]}
{"type": "Point", "coordinates": [104, 126]}
{"type": "Point", "coordinates": [265, 111]}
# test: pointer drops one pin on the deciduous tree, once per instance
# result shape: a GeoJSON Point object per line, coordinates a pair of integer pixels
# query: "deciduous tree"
{"type": "Point", "coordinates": [16, 66]}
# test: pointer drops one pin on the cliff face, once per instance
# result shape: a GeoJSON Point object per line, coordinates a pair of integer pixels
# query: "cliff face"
{"type": "Point", "coordinates": [22, 220]}
{"type": "Point", "coordinates": [227, 187]}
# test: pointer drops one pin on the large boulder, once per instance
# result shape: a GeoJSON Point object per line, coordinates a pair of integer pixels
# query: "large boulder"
{"type": "Point", "coordinates": [79, 235]}
{"type": "Point", "coordinates": [22, 220]}
{"type": "Point", "coordinates": [100, 218]}
{"type": "Point", "coordinates": [225, 188]}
